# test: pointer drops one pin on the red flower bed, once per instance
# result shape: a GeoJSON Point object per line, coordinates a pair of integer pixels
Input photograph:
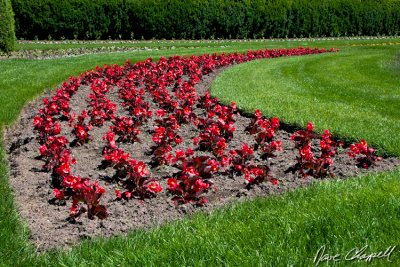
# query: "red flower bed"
{"type": "Point", "coordinates": [170, 83]}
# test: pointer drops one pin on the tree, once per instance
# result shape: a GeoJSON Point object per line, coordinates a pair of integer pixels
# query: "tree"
{"type": "Point", "coordinates": [7, 31]}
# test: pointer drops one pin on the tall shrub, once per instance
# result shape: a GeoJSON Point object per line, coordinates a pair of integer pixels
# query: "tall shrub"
{"type": "Point", "coordinates": [202, 19]}
{"type": "Point", "coordinates": [7, 32]}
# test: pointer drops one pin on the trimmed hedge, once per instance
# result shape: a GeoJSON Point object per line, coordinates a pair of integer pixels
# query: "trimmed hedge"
{"type": "Point", "coordinates": [198, 19]}
{"type": "Point", "coordinates": [7, 33]}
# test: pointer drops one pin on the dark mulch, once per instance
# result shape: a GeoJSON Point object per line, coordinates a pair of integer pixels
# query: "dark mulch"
{"type": "Point", "coordinates": [48, 222]}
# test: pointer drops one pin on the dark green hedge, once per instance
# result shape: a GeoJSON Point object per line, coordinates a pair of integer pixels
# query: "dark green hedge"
{"type": "Point", "coordinates": [196, 19]}
{"type": "Point", "coordinates": [7, 33]}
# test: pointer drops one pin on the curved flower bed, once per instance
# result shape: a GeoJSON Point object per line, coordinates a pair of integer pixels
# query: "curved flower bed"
{"type": "Point", "coordinates": [217, 128]}
{"type": "Point", "coordinates": [150, 131]}
{"type": "Point", "coordinates": [189, 185]}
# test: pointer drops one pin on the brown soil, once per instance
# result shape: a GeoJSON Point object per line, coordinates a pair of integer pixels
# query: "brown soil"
{"type": "Point", "coordinates": [76, 52]}
{"type": "Point", "coordinates": [48, 222]}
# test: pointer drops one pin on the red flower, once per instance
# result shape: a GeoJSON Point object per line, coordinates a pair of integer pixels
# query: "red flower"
{"type": "Point", "coordinates": [71, 181]}
{"type": "Point", "coordinates": [202, 201]}
{"type": "Point", "coordinates": [233, 105]}
{"type": "Point", "coordinates": [221, 144]}
{"type": "Point", "coordinates": [43, 150]}
{"type": "Point", "coordinates": [306, 153]}
{"type": "Point", "coordinates": [367, 157]}
{"type": "Point", "coordinates": [118, 194]}
{"type": "Point", "coordinates": [172, 184]}
{"type": "Point", "coordinates": [63, 169]}
{"type": "Point", "coordinates": [310, 127]}
{"type": "Point", "coordinates": [109, 136]}
{"type": "Point", "coordinates": [180, 154]}
{"type": "Point", "coordinates": [58, 194]}
{"type": "Point", "coordinates": [248, 178]}
{"type": "Point", "coordinates": [73, 210]}
{"type": "Point", "coordinates": [247, 150]}
{"type": "Point", "coordinates": [160, 113]}
{"type": "Point", "coordinates": [274, 181]}
{"type": "Point", "coordinates": [200, 185]}
{"type": "Point", "coordinates": [195, 141]}
{"type": "Point", "coordinates": [56, 129]}
{"type": "Point", "coordinates": [37, 121]}
{"type": "Point", "coordinates": [191, 171]}
{"type": "Point", "coordinates": [238, 167]}
{"type": "Point", "coordinates": [178, 140]}
{"type": "Point", "coordinates": [275, 123]}
{"type": "Point", "coordinates": [159, 134]}
{"type": "Point", "coordinates": [154, 187]}
{"type": "Point", "coordinates": [258, 114]}
{"type": "Point", "coordinates": [99, 189]}
{"type": "Point", "coordinates": [225, 161]}
{"type": "Point", "coordinates": [189, 152]}
{"type": "Point", "coordinates": [213, 165]}
{"type": "Point", "coordinates": [140, 169]}
{"type": "Point", "coordinates": [80, 132]}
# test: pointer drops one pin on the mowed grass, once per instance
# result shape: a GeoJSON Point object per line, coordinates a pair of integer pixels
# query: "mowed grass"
{"type": "Point", "coordinates": [354, 93]}
{"type": "Point", "coordinates": [277, 231]}
{"type": "Point", "coordinates": [189, 44]}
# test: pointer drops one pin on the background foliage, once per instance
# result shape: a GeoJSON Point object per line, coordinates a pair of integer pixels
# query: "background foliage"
{"type": "Point", "coordinates": [7, 33]}
{"type": "Point", "coordinates": [198, 19]}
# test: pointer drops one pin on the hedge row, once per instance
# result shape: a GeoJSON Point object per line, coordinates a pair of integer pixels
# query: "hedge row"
{"type": "Point", "coordinates": [197, 19]}
{"type": "Point", "coordinates": [7, 33]}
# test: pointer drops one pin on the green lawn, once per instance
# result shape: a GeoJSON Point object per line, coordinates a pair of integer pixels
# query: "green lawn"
{"type": "Point", "coordinates": [166, 44]}
{"type": "Point", "coordinates": [277, 231]}
{"type": "Point", "coordinates": [354, 93]}
{"type": "Point", "coordinates": [182, 44]}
